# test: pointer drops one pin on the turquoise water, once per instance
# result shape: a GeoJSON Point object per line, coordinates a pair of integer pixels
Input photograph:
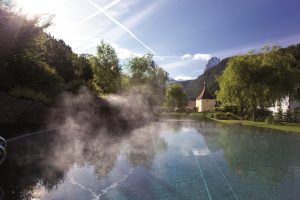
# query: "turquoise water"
{"type": "Point", "coordinates": [164, 160]}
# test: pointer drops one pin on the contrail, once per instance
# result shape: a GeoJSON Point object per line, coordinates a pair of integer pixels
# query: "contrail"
{"type": "Point", "coordinates": [98, 12]}
{"type": "Point", "coordinates": [122, 26]}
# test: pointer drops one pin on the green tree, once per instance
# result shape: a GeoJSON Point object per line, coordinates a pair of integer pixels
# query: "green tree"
{"type": "Point", "coordinates": [106, 70]}
{"type": "Point", "coordinates": [145, 72]}
{"type": "Point", "coordinates": [83, 68]}
{"type": "Point", "coordinates": [60, 57]}
{"type": "Point", "coordinates": [175, 97]}
{"type": "Point", "coordinates": [139, 69]}
{"type": "Point", "coordinates": [22, 54]}
{"type": "Point", "coordinates": [256, 80]}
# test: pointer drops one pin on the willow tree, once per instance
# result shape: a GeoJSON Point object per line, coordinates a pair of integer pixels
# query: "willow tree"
{"type": "Point", "coordinates": [256, 80]}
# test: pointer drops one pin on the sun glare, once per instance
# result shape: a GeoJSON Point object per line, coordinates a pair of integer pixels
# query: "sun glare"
{"type": "Point", "coordinates": [36, 7]}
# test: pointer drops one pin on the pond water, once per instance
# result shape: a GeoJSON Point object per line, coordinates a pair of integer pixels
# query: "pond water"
{"type": "Point", "coordinates": [164, 160]}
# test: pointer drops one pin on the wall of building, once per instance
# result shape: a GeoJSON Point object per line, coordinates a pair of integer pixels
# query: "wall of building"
{"type": "Point", "coordinates": [205, 104]}
{"type": "Point", "coordinates": [286, 104]}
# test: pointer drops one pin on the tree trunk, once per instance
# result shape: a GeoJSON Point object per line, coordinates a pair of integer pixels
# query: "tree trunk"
{"type": "Point", "coordinates": [253, 112]}
{"type": "Point", "coordinates": [242, 110]}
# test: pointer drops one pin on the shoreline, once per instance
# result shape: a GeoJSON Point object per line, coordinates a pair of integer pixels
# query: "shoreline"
{"type": "Point", "coordinates": [286, 127]}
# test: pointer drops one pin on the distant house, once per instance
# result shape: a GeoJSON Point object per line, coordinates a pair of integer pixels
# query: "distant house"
{"type": "Point", "coordinates": [205, 101]}
{"type": "Point", "coordinates": [291, 104]}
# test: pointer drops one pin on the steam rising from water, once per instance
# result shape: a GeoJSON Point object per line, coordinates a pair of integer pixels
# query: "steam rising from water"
{"type": "Point", "coordinates": [99, 132]}
{"type": "Point", "coordinates": [81, 114]}
{"type": "Point", "coordinates": [113, 137]}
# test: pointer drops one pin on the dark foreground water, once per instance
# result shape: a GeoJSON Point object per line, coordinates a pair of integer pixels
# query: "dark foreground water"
{"type": "Point", "coordinates": [164, 160]}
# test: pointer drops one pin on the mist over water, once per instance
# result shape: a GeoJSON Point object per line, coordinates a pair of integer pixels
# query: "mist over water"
{"type": "Point", "coordinates": [93, 130]}
{"type": "Point", "coordinates": [113, 149]}
{"type": "Point", "coordinates": [83, 113]}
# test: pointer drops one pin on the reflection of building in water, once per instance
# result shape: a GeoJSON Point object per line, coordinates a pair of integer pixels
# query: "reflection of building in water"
{"type": "Point", "coordinates": [209, 132]}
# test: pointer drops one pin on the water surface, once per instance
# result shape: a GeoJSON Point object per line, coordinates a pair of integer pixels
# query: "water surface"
{"type": "Point", "coordinates": [163, 160]}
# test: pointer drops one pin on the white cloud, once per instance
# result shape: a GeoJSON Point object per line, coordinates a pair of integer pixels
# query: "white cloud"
{"type": "Point", "coordinates": [124, 53]}
{"type": "Point", "coordinates": [202, 57]}
{"type": "Point", "coordinates": [198, 56]}
{"type": "Point", "coordinates": [183, 77]}
{"type": "Point", "coordinates": [186, 56]}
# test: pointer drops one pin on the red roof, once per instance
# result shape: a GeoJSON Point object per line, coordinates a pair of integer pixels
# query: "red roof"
{"type": "Point", "coordinates": [205, 94]}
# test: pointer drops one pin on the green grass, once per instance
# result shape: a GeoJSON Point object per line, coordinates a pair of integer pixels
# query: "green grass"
{"type": "Point", "coordinates": [182, 115]}
{"type": "Point", "coordinates": [286, 127]}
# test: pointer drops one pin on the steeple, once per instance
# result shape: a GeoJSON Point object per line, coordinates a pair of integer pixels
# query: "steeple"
{"type": "Point", "coordinates": [204, 94]}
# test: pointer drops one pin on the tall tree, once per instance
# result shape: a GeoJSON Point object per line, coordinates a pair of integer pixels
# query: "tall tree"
{"type": "Point", "coordinates": [256, 80]}
{"type": "Point", "coordinates": [22, 54]}
{"type": "Point", "coordinates": [83, 67]}
{"type": "Point", "coordinates": [106, 69]}
{"type": "Point", "coordinates": [60, 57]}
{"type": "Point", "coordinates": [175, 97]}
{"type": "Point", "coordinates": [139, 69]}
{"type": "Point", "coordinates": [144, 71]}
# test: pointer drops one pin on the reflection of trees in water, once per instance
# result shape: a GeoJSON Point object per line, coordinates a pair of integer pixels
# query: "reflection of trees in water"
{"type": "Point", "coordinates": [209, 131]}
{"type": "Point", "coordinates": [267, 154]}
{"type": "Point", "coordinates": [26, 165]}
{"type": "Point", "coordinates": [44, 160]}
{"type": "Point", "coordinates": [144, 145]}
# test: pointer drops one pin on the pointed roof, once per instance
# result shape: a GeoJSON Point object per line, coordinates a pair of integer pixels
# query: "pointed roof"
{"type": "Point", "coordinates": [205, 94]}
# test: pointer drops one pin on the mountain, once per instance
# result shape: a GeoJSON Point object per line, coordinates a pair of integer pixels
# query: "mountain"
{"type": "Point", "coordinates": [212, 62]}
{"type": "Point", "coordinates": [182, 82]}
{"type": "Point", "coordinates": [193, 87]}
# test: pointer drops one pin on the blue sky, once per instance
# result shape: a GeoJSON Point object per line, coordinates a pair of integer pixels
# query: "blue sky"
{"type": "Point", "coordinates": [182, 34]}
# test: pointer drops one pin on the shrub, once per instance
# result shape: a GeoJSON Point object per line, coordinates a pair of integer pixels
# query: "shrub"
{"type": "Point", "coordinates": [270, 120]}
{"type": "Point", "coordinates": [296, 115]}
{"type": "Point", "coordinates": [28, 93]}
{"type": "Point", "coordinates": [198, 115]}
{"type": "Point", "coordinates": [75, 85]}
{"type": "Point", "coordinates": [229, 109]}
{"type": "Point", "coordinates": [261, 114]}
{"type": "Point", "coordinates": [226, 116]}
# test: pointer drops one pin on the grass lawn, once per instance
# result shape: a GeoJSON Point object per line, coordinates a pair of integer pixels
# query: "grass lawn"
{"type": "Point", "coordinates": [286, 127]}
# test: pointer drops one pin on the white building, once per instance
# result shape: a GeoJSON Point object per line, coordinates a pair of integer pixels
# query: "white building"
{"type": "Point", "coordinates": [286, 104]}
{"type": "Point", "coordinates": [205, 101]}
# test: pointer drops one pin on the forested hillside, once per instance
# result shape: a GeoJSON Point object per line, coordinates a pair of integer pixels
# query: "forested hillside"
{"type": "Point", "coordinates": [192, 88]}
{"type": "Point", "coordinates": [34, 65]}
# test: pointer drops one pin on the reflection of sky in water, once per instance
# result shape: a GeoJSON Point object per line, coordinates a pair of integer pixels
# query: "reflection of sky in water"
{"type": "Point", "coordinates": [164, 160]}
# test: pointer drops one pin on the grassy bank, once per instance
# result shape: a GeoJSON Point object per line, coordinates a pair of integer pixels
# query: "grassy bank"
{"type": "Point", "coordinates": [286, 127]}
